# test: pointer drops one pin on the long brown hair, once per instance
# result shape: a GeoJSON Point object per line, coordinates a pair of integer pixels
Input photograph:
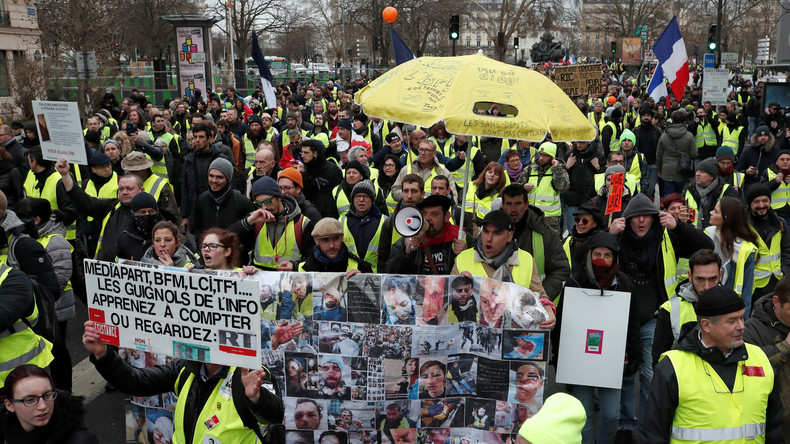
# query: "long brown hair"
{"type": "Point", "coordinates": [735, 224]}
{"type": "Point", "coordinates": [498, 168]}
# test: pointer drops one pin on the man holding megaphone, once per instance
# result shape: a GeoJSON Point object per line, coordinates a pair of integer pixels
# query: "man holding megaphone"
{"type": "Point", "coordinates": [430, 242]}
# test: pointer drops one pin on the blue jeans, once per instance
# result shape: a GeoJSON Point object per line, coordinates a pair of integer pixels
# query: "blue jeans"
{"type": "Point", "coordinates": [672, 187]}
{"type": "Point", "coordinates": [460, 386]}
{"type": "Point", "coordinates": [568, 216]}
{"type": "Point", "coordinates": [628, 419]}
{"type": "Point", "coordinates": [752, 126]}
{"type": "Point", "coordinates": [652, 180]}
{"type": "Point", "coordinates": [609, 403]}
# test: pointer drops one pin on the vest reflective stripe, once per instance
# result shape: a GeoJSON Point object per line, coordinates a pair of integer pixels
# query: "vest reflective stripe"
{"type": "Point", "coordinates": [447, 148]}
{"type": "Point", "coordinates": [746, 249]}
{"type": "Point", "coordinates": [24, 346]}
{"type": "Point", "coordinates": [159, 167]}
{"type": "Point", "coordinates": [670, 263]}
{"type": "Point", "coordinates": [630, 182]}
{"type": "Point", "coordinates": [522, 273]}
{"type": "Point", "coordinates": [680, 312]}
{"type": "Point", "coordinates": [614, 142]}
{"type": "Point", "coordinates": [567, 247]}
{"type": "Point", "coordinates": [153, 185]}
{"type": "Point", "coordinates": [268, 255]}
{"type": "Point", "coordinates": [341, 200]}
{"type": "Point", "coordinates": [479, 207]}
{"type": "Point", "coordinates": [372, 253]}
{"type": "Point", "coordinates": [104, 227]}
{"type": "Point", "coordinates": [708, 411]}
{"type": "Point", "coordinates": [49, 193]}
{"type": "Point", "coordinates": [737, 179]}
{"type": "Point", "coordinates": [769, 260]}
{"type": "Point", "coordinates": [634, 169]}
{"type": "Point", "coordinates": [229, 427]}
{"type": "Point", "coordinates": [591, 118]}
{"type": "Point", "coordinates": [543, 194]}
{"type": "Point", "coordinates": [108, 191]}
{"type": "Point", "coordinates": [705, 136]}
{"type": "Point", "coordinates": [458, 175]}
{"type": "Point", "coordinates": [731, 138]}
{"type": "Point", "coordinates": [692, 203]}
{"type": "Point", "coordinates": [781, 195]}
{"type": "Point", "coordinates": [250, 149]}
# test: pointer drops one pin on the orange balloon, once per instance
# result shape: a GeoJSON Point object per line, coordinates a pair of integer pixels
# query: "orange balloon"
{"type": "Point", "coordinates": [390, 14]}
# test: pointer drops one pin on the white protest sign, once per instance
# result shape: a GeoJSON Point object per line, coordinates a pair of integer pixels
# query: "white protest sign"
{"type": "Point", "coordinates": [59, 131]}
{"type": "Point", "coordinates": [714, 86]}
{"type": "Point", "coordinates": [185, 315]}
{"type": "Point", "coordinates": [592, 341]}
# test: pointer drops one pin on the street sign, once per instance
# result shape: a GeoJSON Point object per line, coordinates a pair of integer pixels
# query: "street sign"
{"type": "Point", "coordinates": [729, 58]}
{"type": "Point", "coordinates": [649, 56]}
{"type": "Point", "coordinates": [86, 61]}
{"type": "Point", "coordinates": [709, 61]}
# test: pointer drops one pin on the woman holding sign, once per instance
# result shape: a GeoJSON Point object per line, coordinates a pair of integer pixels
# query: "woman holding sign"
{"type": "Point", "coordinates": [167, 247]}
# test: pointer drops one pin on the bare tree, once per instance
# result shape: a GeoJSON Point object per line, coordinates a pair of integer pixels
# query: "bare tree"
{"type": "Point", "coordinates": [145, 32]}
{"type": "Point", "coordinates": [504, 16]}
{"type": "Point", "coordinates": [28, 82]}
{"type": "Point", "coordinates": [249, 15]}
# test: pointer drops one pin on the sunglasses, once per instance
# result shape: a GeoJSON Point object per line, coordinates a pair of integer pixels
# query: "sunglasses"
{"type": "Point", "coordinates": [260, 203]}
{"type": "Point", "coordinates": [581, 220]}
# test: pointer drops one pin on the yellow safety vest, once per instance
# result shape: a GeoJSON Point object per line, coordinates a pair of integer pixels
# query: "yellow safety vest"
{"type": "Point", "coordinates": [250, 150]}
{"type": "Point", "coordinates": [630, 182]}
{"type": "Point", "coordinates": [737, 179]}
{"type": "Point", "coordinates": [23, 346]}
{"type": "Point", "coordinates": [769, 260]}
{"type": "Point", "coordinates": [566, 246]}
{"type": "Point", "coordinates": [352, 265]}
{"type": "Point", "coordinates": [44, 241]}
{"type": "Point", "coordinates": [219, 410]}
{"type": "Point", "coordinates": [731, 138]}
{"type": "Point", "coordinates": [447, 148]}
{"type": "Point", "coordinates": [49, 193]}
{"type": "Point", "coordinates": [692, 203]}
{"type": "Point", "coordinates": [286, 249]}
{"type": "Point", "coordinates": [104, 227]}
{"type": "Point", "coordinates": [160, 167]}
{"type": "Point", "coordinates": [680, 312]}
{"type": "Point", "coordinates": [522, 273]}
{"type": "Point", "coordinates": [154, 184]}
{"type": "Point", "coordinates": [543, 194]}
{"type": "Point", "coordinates": [705, 136]}
{"type": "Point", "coordinates": [372, 254]}
{"type": "Point", "coordinates": [708, 412]}
{"type": "Point", "coordinates": [478, 207]}
{"type": "Point", "coordinates": [459, 174]}
{"type": "Point", "coordinates": [341, 200]}
{"type": "Point", "coordinates": [614, 142]}
{"type": "Point", "coordinates": [108, 191]}
{"type": "Point", "coordinates": [747, 248]}
{"type": "Point", "coordinates": [780, 197]}
{"type": "Point", "coordinates": [669, 261]}
{"type": "Point", "coordinates": [597, 123]}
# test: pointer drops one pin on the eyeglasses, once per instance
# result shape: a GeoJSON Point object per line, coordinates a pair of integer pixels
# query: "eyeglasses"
{"type": "Point", "coordinates": [617, 162]}
{"type": "Point", "coordinates": [260, 203]}
{"type": "Point", "coordinates": [581, 220]}
{"type": "Point", "coordinates": [389, 165]}
{"type": "Point", "coordinates": [286, 188]}
{"type": "Point", "coordinates": [425, 150]}
{"type": "Point", "coordinates": [211, 247]}
{"type": "Point", "coordinates": [32, 401]}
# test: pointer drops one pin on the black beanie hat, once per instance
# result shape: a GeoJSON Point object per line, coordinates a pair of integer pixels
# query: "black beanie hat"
{"type": "Point", "coordinates": [755, 191]}
{"type": "Point", "coordinates": [143, 200]}
{"type": "Point", "coordinates": [717, 301]}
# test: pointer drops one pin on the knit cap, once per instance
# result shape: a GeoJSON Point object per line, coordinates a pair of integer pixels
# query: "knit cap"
{"type": "Point", "coordinates": [366, 187]}
{"type": "Point", "coordinates": [143, 200]}
{"type": "Point", "coordinates": [725, 153]}
{"type": "Point", "coordinates": [628, 134]}
{"type": "Point", "coordinates": [709, 166]}
{"type": "Point", "coordinates": [294, 175]}
{"type": "Point", "coordinates": [223, 166]}
{"type": "Point", "coordinates": [614, 169]}
{"type": "Point", "coordinates": [755, 191]}
{"type": "Point", "coordinates": [717, 301]}
{"type": "Point", "coordinates": [359, 166]}
{"type": "Point", "coordinates": [266, 185]}
{"type": "Point", "coordinates": [559, 421]}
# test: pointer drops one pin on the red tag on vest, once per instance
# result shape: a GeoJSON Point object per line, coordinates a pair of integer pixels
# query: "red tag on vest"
{"type": "Point", "coordinates": [749, 370]}
{"type": "Point", "coordinates": [211, 422]}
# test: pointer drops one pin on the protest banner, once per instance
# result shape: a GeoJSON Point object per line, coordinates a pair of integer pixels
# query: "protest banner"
{"type": "Point", "coordinates": [592, 340]}
{"type": "Point", "coordinates": [715, 83]}
{"type": "Point", "coordinates": [174, 313]}
{"type": "Point", "coordinates": [397, 358]}
{"type": "Point", "coordinates": [631, 53]}
{"type": "Point", "coordinates": [576, 80]}
{"type": "Point", "coordinates": [614, 202]}
{"type": "Point", "coordinates": [60, 131]}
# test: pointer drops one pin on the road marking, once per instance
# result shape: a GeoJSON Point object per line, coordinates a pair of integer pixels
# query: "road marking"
{"type": "Point", "coordinates": [87, 382]}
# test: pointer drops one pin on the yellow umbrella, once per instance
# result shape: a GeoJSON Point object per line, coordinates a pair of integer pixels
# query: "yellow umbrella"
{"type": "Point", "coordinates": [426, 90]}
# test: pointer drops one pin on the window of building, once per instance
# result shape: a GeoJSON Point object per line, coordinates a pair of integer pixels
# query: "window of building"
{"type": "Point", "coordinates": [5, 91]}
{"type": "Point", "coordinates": [468, 43]}
{"type": "Point", "coordinates": [478, 43]}
{"type": "Point", "coordinates": [490, 43]}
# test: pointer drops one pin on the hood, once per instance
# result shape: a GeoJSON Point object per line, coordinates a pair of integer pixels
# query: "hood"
{"type": "Point", "coordinates": [640, 204]}
{"type": "Point", "coordinates": [686, 291]}
{"type": "Point", "coordinates": [52, 226]}
{"type": "Point", "coordinates": [689, 340]}
{"type": "Point", "coordinates": [12, 222]}
{"type": "Point", "coordinates": [291, 208]}
{"type": "Point", "coordinates": [768, 146]}
{"type": "Point", "coordinates": [676, 130]}
{"type": "Point", "coordinates": [764, 312]}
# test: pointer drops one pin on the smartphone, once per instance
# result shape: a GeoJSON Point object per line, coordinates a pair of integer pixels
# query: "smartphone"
{"type": "Point", "coordinates": [131, 128]}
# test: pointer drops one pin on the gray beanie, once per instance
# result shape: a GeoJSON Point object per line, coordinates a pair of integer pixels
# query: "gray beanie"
{"type": "Point", "coordinates": [710, 167]}
{"type": "Point", "coordinates": [223, 166]}
{"type": "Point", "coordinates": [614, 169]}
{"type": "Point", "coordinates": [366, 187]}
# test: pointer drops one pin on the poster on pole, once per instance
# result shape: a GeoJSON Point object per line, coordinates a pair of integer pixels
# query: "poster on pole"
{"type": "Point", "coordinates": [632, 51]}
{"type": "Point", "coordinates": [576, 80]}
{"type": "Point", "coordinates": [593, 336]}
{"type": "Point", "coordinates": [184, 315]}
{"type": "Point", "coordinates": [714, 86]}
{"type": "Point", "coordinates": [60, 131]}
{"type": "Point", "coordinates": [191, 60]}
{"type": "Point", "coordinates": [614, 202]}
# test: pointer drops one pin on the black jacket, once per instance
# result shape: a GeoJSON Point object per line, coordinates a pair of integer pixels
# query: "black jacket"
{"type": "Point", "coordinates": [703, 212]}
{"type": "Point", "coordinates": [208, 214]}
{"type": "Point", "coordinates": [582, 177]}
{"type": "Point", "coordinates": [320, 177]}
{"type": "Point", "coordinates": [18, 156]}
{"type": "Point", "coordinates": [120, 219]}
{"type": "Point", "coordinates": [151, 381]}
{"type": "Point", "coordinates": [11, 183]}
{"type": "Point", "coordinates": [656, 426]}
{"type": "Point", "coordinates": [65, 427]}
{"type": "Point", "coordinates": [556, 266]}
{"type": "Point", "coordinates": [189, 180]}
{"type": "Point", "coordinates": [767, 228]}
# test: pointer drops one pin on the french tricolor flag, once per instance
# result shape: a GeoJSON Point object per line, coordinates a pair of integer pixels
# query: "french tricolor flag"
{"type": "Point", "coordinates": [670, 50]}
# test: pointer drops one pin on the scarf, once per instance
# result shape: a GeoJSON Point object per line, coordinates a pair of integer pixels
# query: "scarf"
{"type": "Point", "coordinates": [703, 192]}
{"type": "Point", "coordinates": [514, 174]}
{"type": "Point", "coordinates": [449, 234]}
{"type": "Point", "coordinates": [220, 196]}
{"type": "Point", "coordinates": [321, 257]}
{"type": "Point", "coordinates": [500, 262]}
{"type": "Point", "coordinates": [482, 192]}
{"type": "Point", "coordinates": [726, 173]}
{"type": "Point", "coordinates": [604, 274]}
{"type": "Point", "coordinates": [99, 181]}
{"type": "Point", "coordinates": [643, 250]}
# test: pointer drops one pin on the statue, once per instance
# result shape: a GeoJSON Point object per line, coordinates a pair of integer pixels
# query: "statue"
{"type": "Point", "coordinates": [546, 50]}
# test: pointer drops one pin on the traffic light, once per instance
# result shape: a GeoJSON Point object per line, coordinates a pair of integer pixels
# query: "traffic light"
{"type": "Point", "coordinates": [515, 42]}
{"type": "Point", "coordinates": [712, 43]}
{"type": "Point", "coordinates": [614, 47]}
{"type": "Point", "coordinates": [455, 27]}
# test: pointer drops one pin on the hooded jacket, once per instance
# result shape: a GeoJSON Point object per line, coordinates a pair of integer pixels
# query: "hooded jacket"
{"type": "Point", "coordinates": [341, 266]}
{"type": "Point", "coordinates": [209, 213]}
{"type": "Point", "coordinates": [582, 177]}
{"type": "Point", "coordinates": [30, 256]}
{"type": "Point", "coordinates": [66, 426]}
{"type": "Point", "coordinates": [757, 155]}
{"type": "Point", "coordinates": [320, 177]}
{"type": "Point", "coordinates": [668, 157]}
{"type": "Point", "coordinates": [59, 251]}
{"type": "Point", "coordinates": [189, 179]}
{"type": "Point", "coordinates": [660, 412]}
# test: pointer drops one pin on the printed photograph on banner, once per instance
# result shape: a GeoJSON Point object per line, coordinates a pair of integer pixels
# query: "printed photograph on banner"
{"type": "Point", "coordinates": [488, 341]}
{"type": "Point", "coordinates": [302, 378]}
{"type": "Point", "coordinates": [329, 297]}
{"type": "Point", "coordinates": [463, 299]}
{"type": "Point", "coordinates": [358, 393]}
{"type": "Point", "coordinates": [136, 431]}
{"type": "Point", "coordinates": [434, 341]}
{"type": "Point", "coordinates": [141, 359]}
{"type": "Point", "coordinates": [352, 415]}
{"type": "Point", "coordinates": [306, 414]}
{"type": "Point", "coordinates": [432, 302]}
{"type": "Point", "coordinates": [480, 413]}
{"type": "Point", "coordinates": [525, 308]}
{"type": "Point", "coordinates": [398, 306]}
{"type": "Point", "coordinates": [526, 384]}
{"type": "Point", "coordinates": [492, 378]}
{"type": "Point", "coordinates": [340, 338]}
{"type": "Point", "coordinates": [331, 437]}
{"type": "Point", "coordinates": [363, 295]}
{"type": "Point", "coordinates": [465, 336]}
{"type": "Point", "coordinates": [335, 381]}
{"type": "Point", "coordinates": [388, 341]}
{"type": "Point", "coordinates": [266, 334]}
{"type": "Point", "coordinates": [503, 416]}
{"type": "Point", "coordinates": [269, 297]}
{"type": "Point", "coordinates": [402, 378]}
{"type": "Point", "coordinates": [521, 412]}
{"type": "Point", "coordinates": [360, 437]}
{"type": "Point", "coordinates": [299, 437]}
{"type": "Point", "coordinates": [433, 376]}
{"type": "Point", "coordinates": [191, 352]}
{"type": "Point", "coordinates": [376, 379]}
{"type": "Point", "coordinates": [292, 335]}
{"type": "Point", "coordinates": [493, 303]}
{"type": "Point", "coordinates": [296, 297]}
{"type": "Point", "coordinates": [399, 436]}
{"type": "Point", "coordinates": [446, 412]}
{"type": "Point", "coordinates": [432, 436]}
{"type": "Point", "coordinates": [461, 375]}
{"type": "Point", "coordinates": [159, 424]}
{"type": "Point", "coordinates": [526, 344]}
{"type": "Point", "coordinates": [395, 414]}
{"type": "Point", "coordinates": [275, 362]}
